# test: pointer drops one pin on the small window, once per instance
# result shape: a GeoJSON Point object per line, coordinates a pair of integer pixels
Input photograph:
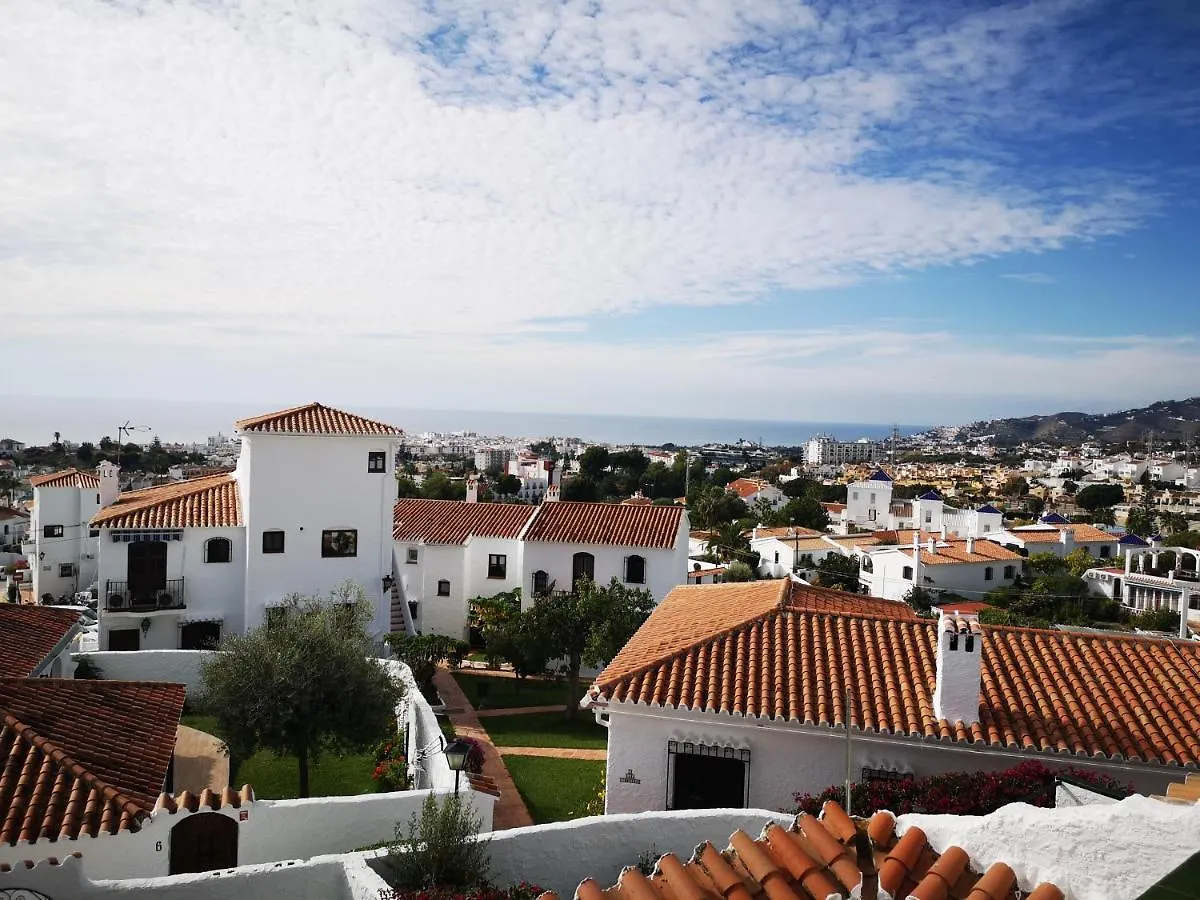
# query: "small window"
{"type": "Point", "coordinates": [376, 461]}
{"type": "Point", "coordinates": [907, 573]}
{"type": "Point", "coordinates": [52, 531]}
{"type": "Point", "coordinates": [339, 542]}
{"type": "Point", "coordinates": [635, 569]}
{"type": "Point", "coordinates": [1010, 571]}
{"type": "Point", "coordinates": [93, 532]}
{"type": "Point", "coordinates": [97, 498]}
{"type": "Point", "coordinates": [928, 517]}
{"type": "Point", "coordinates": [989, 574]}
{"type": "Point", "coordinates": [218, 550]}
{"type": "Point", "coordinates": [872, 499]}
{"type": "Point", "coordinates": [273, 541]}
{"type": "Point", "coordinates": [497, 565]}
{"type": "Point", "coordinates": [541, 582]}
{"type": "Point", "coordinates": [443, 588]}
{"type": "Point", "coordinates": [411, 558]}
{"type": "Point", "coordinates": [854, 496]}
{"type": "Point", "coordinates": [1105, 551]}
{"type": "Point", "coordinates": [66, 570]}
{"type": "Point", "coordinates": [777, 556]}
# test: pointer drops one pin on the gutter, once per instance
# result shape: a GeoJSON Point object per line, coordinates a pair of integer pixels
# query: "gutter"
{"type": "Point", "coordinates": [63, 643]}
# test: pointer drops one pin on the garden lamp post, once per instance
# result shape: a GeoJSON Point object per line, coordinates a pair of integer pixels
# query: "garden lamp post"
{"type": "Point", "coordinates": [456, 757]}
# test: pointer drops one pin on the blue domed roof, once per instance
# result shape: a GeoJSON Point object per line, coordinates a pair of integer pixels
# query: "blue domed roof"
{"type": "Point", "coordinates": [988, 508]}
{"type": "Point", "coordinates": [930, 495]}
{"type": "Point", "coordinates": [880, 475]}
{"type": "Point", "coordinates": [1054, 519]}
{"type": "Point", "coordinates": [1132, 540]}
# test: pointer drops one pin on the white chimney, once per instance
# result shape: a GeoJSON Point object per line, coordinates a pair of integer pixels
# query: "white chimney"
{"type": "Point", "coordinates": [472, 490]}
{"type": "Point", "coordinates": [110, 482]}
{"type": "Point", "coordinates": [552, 494]}
{"type": "Point", "coordinates": [959, 652]}
{"type": "Point", "coordinates": [931, 546]}
{"type": "Point", "coordinates": [970, 545]}
{"type": "Point", "coordinates": [1064, 536]}
{"type": "Point", "coordinates": [943, 531]}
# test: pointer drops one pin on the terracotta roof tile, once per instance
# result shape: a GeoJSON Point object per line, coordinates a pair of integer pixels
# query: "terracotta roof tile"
{"type": "Point", "coordinates": [453, 521]}
{"type": "Point", "coordinates": [208, 502]}
{"type": "Point", "coordinates": [606, 523]}
{"type": "Point", "coordinates": [814, 859]}
{"type": "Point", "coordinates": [82, 757]}
{"type": "Point", "coordinates": [207, 799]}
{"type": "Point", "coordinates": [950, 552]}
{"type": "Point", "coordinates": [789, 532]}
{"type": "Point", "coordinates": [11, 512]}
{"type": "Point", "coordinates": [1083, 534]}
{"type": "Point", "coordinates": [746, 487]}
{"type": "Point", "coordinates": [28, 634]}
{"type": "Point", "coordinates": [748, 653]}
{"type": "Point", "coordinates": [313, 418]}
{"type": "Point", "coordinates": [66, 478]}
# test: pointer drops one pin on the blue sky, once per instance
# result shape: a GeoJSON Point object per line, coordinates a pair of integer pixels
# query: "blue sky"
{"type": "Point", "coordinates": [836, 211]}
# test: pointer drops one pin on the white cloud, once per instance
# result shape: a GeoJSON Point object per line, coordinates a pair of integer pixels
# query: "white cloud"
{"type": "Point", "coordinates": [273, 179]}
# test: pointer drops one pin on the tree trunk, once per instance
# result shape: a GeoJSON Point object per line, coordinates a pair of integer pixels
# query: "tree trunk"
{"type": "Point", "coordinates": [572, 709]}
{"type": "Point", "coordinates": [303, 757]}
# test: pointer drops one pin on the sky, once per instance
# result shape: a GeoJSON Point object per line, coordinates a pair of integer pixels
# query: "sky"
{"type": "Point", "coordinates": [856, 211]}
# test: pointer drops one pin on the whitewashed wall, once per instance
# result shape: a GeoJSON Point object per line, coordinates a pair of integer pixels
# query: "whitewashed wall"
{"type": "Point", "coordinates": [176, 666]}
{"type": "Point", "coordinates": [665, 569]}
{"type": "Point", "coordinates": [790, 758]}
{"type": "Point", "coordinates": [304, 485]}
{"type": "Point", "coordinates": [72, 508]}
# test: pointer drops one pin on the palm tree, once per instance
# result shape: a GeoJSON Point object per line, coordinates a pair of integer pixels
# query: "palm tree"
{"type": "Point", "coordinates": [729, 542]}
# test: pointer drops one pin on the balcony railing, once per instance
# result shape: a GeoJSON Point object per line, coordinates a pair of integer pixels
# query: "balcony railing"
{"type": "Point", "coordinates": [120, 598]}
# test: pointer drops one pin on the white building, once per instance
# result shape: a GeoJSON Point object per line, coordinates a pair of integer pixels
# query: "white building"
{"type": "Point", "coordinates": [751, 490]}
{"type": "Point", "coordinates": [308, 508]}
{"type": "Point", "coordinates": [869, 505]}
{"type": "Point", "coordinates": [824, 450]}
{"type": "Point", "coordinates": [1054, 534]}
{"type": "Point", "coordinates": [537, 474]}
{"type": "Point", "coordinates": [60, 545]}
{"type": "Point", "coordinates": [448, 552]}
{"type": "Point", "coordinates": [14, 525]}
{"type": "Point", "coordinates": [1147, 582]}
{"type": "Point", "coordinates": [735, 695]}
{"type": "Point", "coordinates": [965, 566]}
{"type": "Point", "coordinates": [487, 458]}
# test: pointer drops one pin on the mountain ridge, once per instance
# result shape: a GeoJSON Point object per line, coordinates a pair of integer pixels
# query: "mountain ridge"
{"type": "Point", "coordinates": [1169, 420]}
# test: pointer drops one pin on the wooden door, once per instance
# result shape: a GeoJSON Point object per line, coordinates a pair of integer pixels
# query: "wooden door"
{"type": "Point", "coordinates": [147, 571]}
{"type": "Point", "coordinates": [583, 565]}
{"type": "Point", "coordinates": [204, 842]}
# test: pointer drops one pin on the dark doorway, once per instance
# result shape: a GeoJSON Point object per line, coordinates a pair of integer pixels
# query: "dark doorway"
{"type": "Point", "coordinates": [200, 636]}
{"type": "Point", "coordinates": [147, 571]}
{"type": "Point", "coordinates": [707, 777]}
{"type": "Point", "coordinates": [583, 565]}
{"type": "Point", "coordinates": [204, 842]}
{"type": "Point", "coordinates": [125, 639]}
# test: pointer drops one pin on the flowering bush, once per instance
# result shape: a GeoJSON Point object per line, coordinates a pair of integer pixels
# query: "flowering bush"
{"type": "Point", "coordinates": [958, 793]}
{"type": "Point", "coordinates": [523, 891]}
{"type": "Point", "coordinates": [475, 756]}
{"type": "Point", "coordinates": [391, 766]}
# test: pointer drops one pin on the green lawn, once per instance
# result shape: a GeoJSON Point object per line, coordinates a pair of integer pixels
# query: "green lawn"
{"type": "Point", "coordinates": [546, 730]}
{"type": "Point", "coordinates": [555, 789]}
{"type": "Point", "coordinates": [277, 778]}
{"type": "Point", "coordinates": [506, 693]}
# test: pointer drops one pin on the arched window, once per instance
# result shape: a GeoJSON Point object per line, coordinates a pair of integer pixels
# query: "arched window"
{"type": "Point", "coordinates": [218, 550]}
{"type": "Point", "coordinates": [635, 569]}
{"type": "Point", "coordinates": [541, 582]}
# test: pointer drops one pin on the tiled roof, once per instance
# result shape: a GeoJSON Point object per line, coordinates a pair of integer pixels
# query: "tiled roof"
{"type": "Point", "coordinates": [707, 648]}
{"type": "Point", "coordinates": [11, 512]}
{"type": "Point", "coordinates": [606, 523]}
{"type": "Point", "coordinates": [968, 607]}
{"type": "Point", "coordinates": [746, 487]}
{"type": "Point", "coordinates": [28, 634]}
{"type": "Point", "coordinates": [82, 757]}
{"type": "Point", "coordinates": [66, 478]}
{"type": "Point", "coordinates": [1083, 534]}
{"type": "Point", "coordinates": [697, 574]}
{"type": "Point", "coordinates": [1132, 540]}
{"type": "Point", "coordinates": [1054, 518]}
{"type": "Point", "coordinates": [834, 507]}
{"type": "Point", "coordinates": [930, 495]}
{"type": "Point", "coordinates": [814, 859]}
{"type": "Point", "coordinates": [951, 552]}
{"type": "Point", "coordinates": [313, 418]}
{"type": "Point", "coordinates": [880, 475]}
{"type": "Point", "coordinates": [208, 502]}
{"type": "Point", "coordinates": [186, 801]}
{"type": "Point", "coordinates": [788, 532]}
{"type": "Point", "coordinates": [453, 521]}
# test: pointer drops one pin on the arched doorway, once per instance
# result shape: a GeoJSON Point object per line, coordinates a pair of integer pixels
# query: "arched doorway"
{"type": "Point", "coordinates": [203, 842]}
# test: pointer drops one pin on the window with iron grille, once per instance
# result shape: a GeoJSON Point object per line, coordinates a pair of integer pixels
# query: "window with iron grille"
{"type": "Point", "coordinates": [272, 541]}
{"type": "Point", "coordinates": [376, 461]}
{"type": "Point", "coordinates": [497, 565]}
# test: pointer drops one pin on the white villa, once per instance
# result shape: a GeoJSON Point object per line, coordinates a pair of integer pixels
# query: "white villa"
{"type": "Point", "coordinates": [448, 552]}
{"type": "Point", "coordinates": [1054, 534]}
{"type": "Point", "coordinates": [937, 563]}
{"type": "Point", "coordinates": [869, 504]}
{"type": "Point", "coordinates": [61, 546]}
{"type": "Point", "coordinates": [308, 508]}
{"type": "Point", "coordinates": [1146, 582]}
{"type": "Point", "coordinates": [736, 695]}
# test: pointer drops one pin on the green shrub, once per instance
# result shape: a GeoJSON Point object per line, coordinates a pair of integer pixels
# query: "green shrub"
{"type": "Point", "coordinates": [439, 848]}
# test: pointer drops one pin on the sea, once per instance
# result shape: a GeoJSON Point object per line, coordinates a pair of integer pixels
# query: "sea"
{"type": "Point", "coordinates": [34, 420]}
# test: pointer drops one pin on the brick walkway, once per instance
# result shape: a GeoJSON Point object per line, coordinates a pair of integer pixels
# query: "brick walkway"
{"type": "Point", "coordinates": [510, 811]}
{"type": "Point", "coordinates": [518, 711]}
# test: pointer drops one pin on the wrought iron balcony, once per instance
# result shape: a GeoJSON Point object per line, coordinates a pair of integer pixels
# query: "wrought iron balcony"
{"type": "Point", "coordinates": [119, 597]}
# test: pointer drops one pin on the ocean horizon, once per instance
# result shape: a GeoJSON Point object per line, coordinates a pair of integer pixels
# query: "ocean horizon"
{"type": "Point", "coordinates": [33, 420]}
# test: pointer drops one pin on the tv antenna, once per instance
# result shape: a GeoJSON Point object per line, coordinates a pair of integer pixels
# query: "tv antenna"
{"type": "Point", "coordinates": [123, 431]}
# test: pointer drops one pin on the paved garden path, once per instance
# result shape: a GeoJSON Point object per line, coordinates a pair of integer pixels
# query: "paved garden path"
{"type": "Point", "coordinates": [518, 710]}
{"type": "Point", "coordinates": [510, 810]}
{"type": "Point", "coordinates": [558, 752]}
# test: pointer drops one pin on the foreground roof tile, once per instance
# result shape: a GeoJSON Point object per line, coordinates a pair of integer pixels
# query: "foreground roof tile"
{"type": "Point", "coordinates": [315, 418]}
{"type": "Point", "coordinates": [813, 860]}
{"type": "Point", "coordinates": [28, 634]}
{"type": "Point", "coordinates": [565, 522]}
{"type": "Point", "coordinates": [82, 757]}
{"type": "Point", "coordinates": [763, 649]}
{"type": "Point", "coordinates": [66, 478]}
{"type": "Point", "coordinates": [454, 521]}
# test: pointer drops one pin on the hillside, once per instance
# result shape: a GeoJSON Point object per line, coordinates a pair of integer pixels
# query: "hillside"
{"type": "Point", "coordinates": [1169, 420]}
